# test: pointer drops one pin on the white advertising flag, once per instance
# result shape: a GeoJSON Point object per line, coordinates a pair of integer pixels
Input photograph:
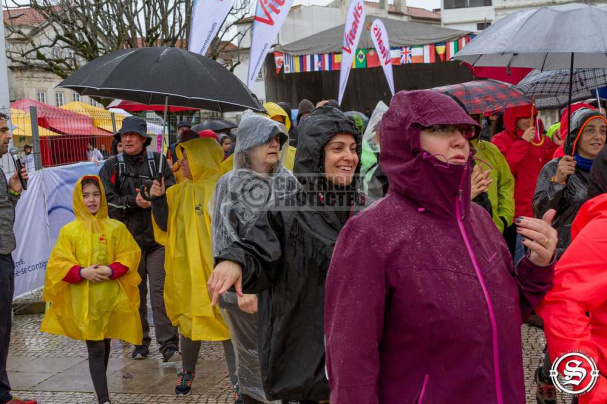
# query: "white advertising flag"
{"type": "Point", "coordinates": [355, 21]}
{"type": "Point", "coordinates": [207, 17]}
{"type": "Point", "coordinates": [379, 35]}
{"type": "Point", "coordinates": [269, 17]}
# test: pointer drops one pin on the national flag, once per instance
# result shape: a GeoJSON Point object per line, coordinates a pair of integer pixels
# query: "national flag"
{"type": "Point", "coordinates": [288, 64]}
{"type": "Point", "coordinates": [337, 61]}
{"type": "Point", "coordinates": [318, 62]}
{"type": "Point", "coordinates": [463, 41]}
{"type": "Point", "coordinates": [373, 59]}
{"type": "Point", "coordinates": [405, 55]}
{"type": "Point", "coordinates": [441, 50]}
{"type": "Point", "coordinates": [452, 49]}
{"type": "Point", "coordinates": [417, 54]}
{"type": "Point", "coordinates": [327, 62]}
{"type": "Point", "coordinates": [429, 54]}
{"type": "Point", "coordinates": [308, 63]}
{"type": "Point", "coordinates": [395, 56]}
{"type": "Point", "coordinates": [361, 58]}
{"type": "Point", "coordinates": [296, 64]}
{"type": "Point", "coordinates": [279, 59]}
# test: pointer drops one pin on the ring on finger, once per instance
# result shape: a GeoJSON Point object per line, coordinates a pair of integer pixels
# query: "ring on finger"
{"type": "Point", "coordinates": [546, 241]}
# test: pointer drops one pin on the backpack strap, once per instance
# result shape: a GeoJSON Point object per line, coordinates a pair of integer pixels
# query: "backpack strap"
{"type": "Point", "coordinates": [152, 164]}
{"type": "Point", "coordinates": [121, 167]}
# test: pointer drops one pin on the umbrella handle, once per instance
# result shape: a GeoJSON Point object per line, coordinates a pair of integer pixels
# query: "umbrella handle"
{"type": "Point", "coordinates": [145, 189]}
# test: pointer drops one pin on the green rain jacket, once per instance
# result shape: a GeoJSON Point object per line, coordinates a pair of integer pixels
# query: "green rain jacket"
{"type": "Point", "coordinates": [501, 190]}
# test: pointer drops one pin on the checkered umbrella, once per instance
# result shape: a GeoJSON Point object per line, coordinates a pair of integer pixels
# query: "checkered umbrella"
{"type": "Point", "coordinates": [550, 89]}
{"type": "Point", "coordinates": [485, 95]}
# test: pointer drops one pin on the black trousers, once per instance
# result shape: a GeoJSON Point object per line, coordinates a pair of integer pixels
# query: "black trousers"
{"type": "Point", "coordinates": [99, 356]}
{"type": "Point", "coordinates": [7, 289]}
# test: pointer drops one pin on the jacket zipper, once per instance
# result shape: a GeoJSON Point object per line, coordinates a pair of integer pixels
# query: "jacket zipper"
{"type": "Point", "coordinates": [462, 229]}
{"type": "Point", "coordinates": [422, 393]}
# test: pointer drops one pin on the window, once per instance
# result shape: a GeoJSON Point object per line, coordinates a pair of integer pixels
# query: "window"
{"type": "Point", "coordinates": [92, 101]}
{"type": "Point", "coordinates": [76, 97]}
{"type": "Point", "coordinates": [482, 25]}
{"type": "Point", "coordinates": [41, 96]}
{"type": "Point", "coordinates": [55, 52]}
{"type": "Point", "coordinates": [450, 4]}
{"type": "Point", "coordinates": [59, 100]}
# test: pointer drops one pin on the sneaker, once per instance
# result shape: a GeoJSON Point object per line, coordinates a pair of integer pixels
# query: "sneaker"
{"type": "Point", "coordinates": [184, 383]}
{"type": "Point", "coordinates": [545, 391]}
{"type": "Point", "coordinates": [16, 400]}
{"type": "Point", "coordinates": [140, 352]}
{"type": "Point", "coordinates": [171, 355]}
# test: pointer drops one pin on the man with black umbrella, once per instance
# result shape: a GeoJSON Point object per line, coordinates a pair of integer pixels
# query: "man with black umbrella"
{"type": "Point", "coordinates": [122, 177]}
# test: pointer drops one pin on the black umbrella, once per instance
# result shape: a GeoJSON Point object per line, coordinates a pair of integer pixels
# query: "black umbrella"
{"type": "Point", "coordinates": [217, 126]}
{"type": "Point", "coordinates": [163, 75]}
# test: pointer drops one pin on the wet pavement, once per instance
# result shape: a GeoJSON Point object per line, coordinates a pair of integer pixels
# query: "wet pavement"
{"type": "Point", "coordinates": [54, 369]}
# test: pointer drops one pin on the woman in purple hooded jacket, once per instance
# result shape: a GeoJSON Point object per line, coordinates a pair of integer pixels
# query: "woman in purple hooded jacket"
{"type": "Point", "coordinates": [422, 302]}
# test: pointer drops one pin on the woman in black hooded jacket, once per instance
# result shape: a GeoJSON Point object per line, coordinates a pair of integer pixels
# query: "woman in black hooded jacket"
{"type": "Point", "coordinates": [286, 255]}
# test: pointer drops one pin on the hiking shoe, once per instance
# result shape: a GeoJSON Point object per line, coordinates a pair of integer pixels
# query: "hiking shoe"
{"type": "Point", "coordinates": [545, 392]}
{"type": "Point", "coordinates": [16, 400]}
{"type": "Point", "coordinates": [140, 352]}
{"type": "Point", "coordinates": [184, 383]}
{"type": "Point", "coordinates": [171, 355]}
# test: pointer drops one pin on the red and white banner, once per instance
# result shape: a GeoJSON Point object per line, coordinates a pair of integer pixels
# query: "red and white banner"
{"type": "Point", "coordinates": [379, 35]}
{"type": "Point", "coordinates": [207, 17]}
{"type": "Point", "coordinates": [269, 17]}
{"type": "Point", "coordinates": [355, 21]}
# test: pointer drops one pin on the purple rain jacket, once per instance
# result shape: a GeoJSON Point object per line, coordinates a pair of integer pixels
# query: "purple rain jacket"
{"type": "Point", "coordinates": [422, 302]}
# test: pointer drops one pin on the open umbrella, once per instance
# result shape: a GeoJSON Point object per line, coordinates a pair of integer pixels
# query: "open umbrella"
{"type": "Point", "coordinates": [550, 89]}
{"type": "Point", "coordinates": [569, 36]}
{"type": "Point", "coordinates": [163, 75]}
{"type": "Point", "coordinates": [485, 95]}
{"type": "Point", "coordinates": [216, 126]}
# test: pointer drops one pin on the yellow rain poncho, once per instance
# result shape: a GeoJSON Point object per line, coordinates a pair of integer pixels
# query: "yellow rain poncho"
{"type": "Point", "coordinates": [189, 254]}
{"type": "Point", "coordinates": [274, 111]}
{"type": "Point", "coordinates": [93, 310]}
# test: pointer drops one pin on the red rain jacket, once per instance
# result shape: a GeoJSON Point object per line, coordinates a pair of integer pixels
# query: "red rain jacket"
{"type": "Point", "coordinates": [525, 159]}
{"type": "Point", "coordinates": [580, 286]}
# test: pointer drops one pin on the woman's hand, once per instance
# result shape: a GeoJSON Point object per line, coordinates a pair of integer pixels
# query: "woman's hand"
{"type": "Point", "coordinates": [529, 134]}
{"type": "Point", "coordinates": [480, 181]}
{"type": "Point", "coordinates": [248, 303]}
{"type": "Point", "coordinates": [224, 276]}
{"type": "Point", "coordinates": [565, 168]}
{"type": "Point", "coordinates": [95, 273]}
{"type": "Point", "coordinates": [539, 236]}
{"type": "Point", "coordinates": [158, 189]}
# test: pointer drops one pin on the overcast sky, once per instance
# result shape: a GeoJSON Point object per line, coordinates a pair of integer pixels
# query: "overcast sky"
{"type": "Point", "coordinates": [428, 4]}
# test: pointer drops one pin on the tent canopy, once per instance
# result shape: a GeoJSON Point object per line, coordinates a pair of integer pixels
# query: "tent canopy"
{"type": "Point", "coordinates": [102, 118]}
{"type": "Point", "coordinates": [60, 120]}
{"type": "Point", "coordinates": [400, 33]}
{"type": "Point", "coordinates": [23, 125]}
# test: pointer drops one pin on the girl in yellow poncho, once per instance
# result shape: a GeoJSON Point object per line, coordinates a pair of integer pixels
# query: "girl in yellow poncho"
{"type": "Point", "coordinates": [92, 281]}
{"type": "Point", "coordinates": [183, 224]}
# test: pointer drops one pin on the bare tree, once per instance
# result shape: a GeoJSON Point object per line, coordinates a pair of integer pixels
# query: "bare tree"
{"type": "Point", "coordinates": [69, 33]}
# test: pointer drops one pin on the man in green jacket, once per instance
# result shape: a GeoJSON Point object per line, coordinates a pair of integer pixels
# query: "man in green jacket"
{"type": "Point", "coordinates": [501, 190]}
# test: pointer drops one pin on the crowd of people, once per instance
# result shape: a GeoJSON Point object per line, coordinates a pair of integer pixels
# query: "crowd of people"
{"type": "Point", "coordinates": [384, 257]}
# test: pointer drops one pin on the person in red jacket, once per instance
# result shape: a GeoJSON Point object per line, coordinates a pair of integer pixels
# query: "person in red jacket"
{"type": "Point", "coordinates": [580, 286]}
{"type": "Point", "coordinates": [526, 157]}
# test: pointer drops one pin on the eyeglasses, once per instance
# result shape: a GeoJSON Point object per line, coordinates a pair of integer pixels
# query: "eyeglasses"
{"type": "Point", "coordinates": [449, 130]}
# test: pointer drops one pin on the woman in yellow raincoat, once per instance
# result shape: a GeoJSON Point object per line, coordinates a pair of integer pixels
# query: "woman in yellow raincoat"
{"type": "Point", "coordinates": [92, 281]}
{"type": "Point", "coordinates": [183, 225]}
